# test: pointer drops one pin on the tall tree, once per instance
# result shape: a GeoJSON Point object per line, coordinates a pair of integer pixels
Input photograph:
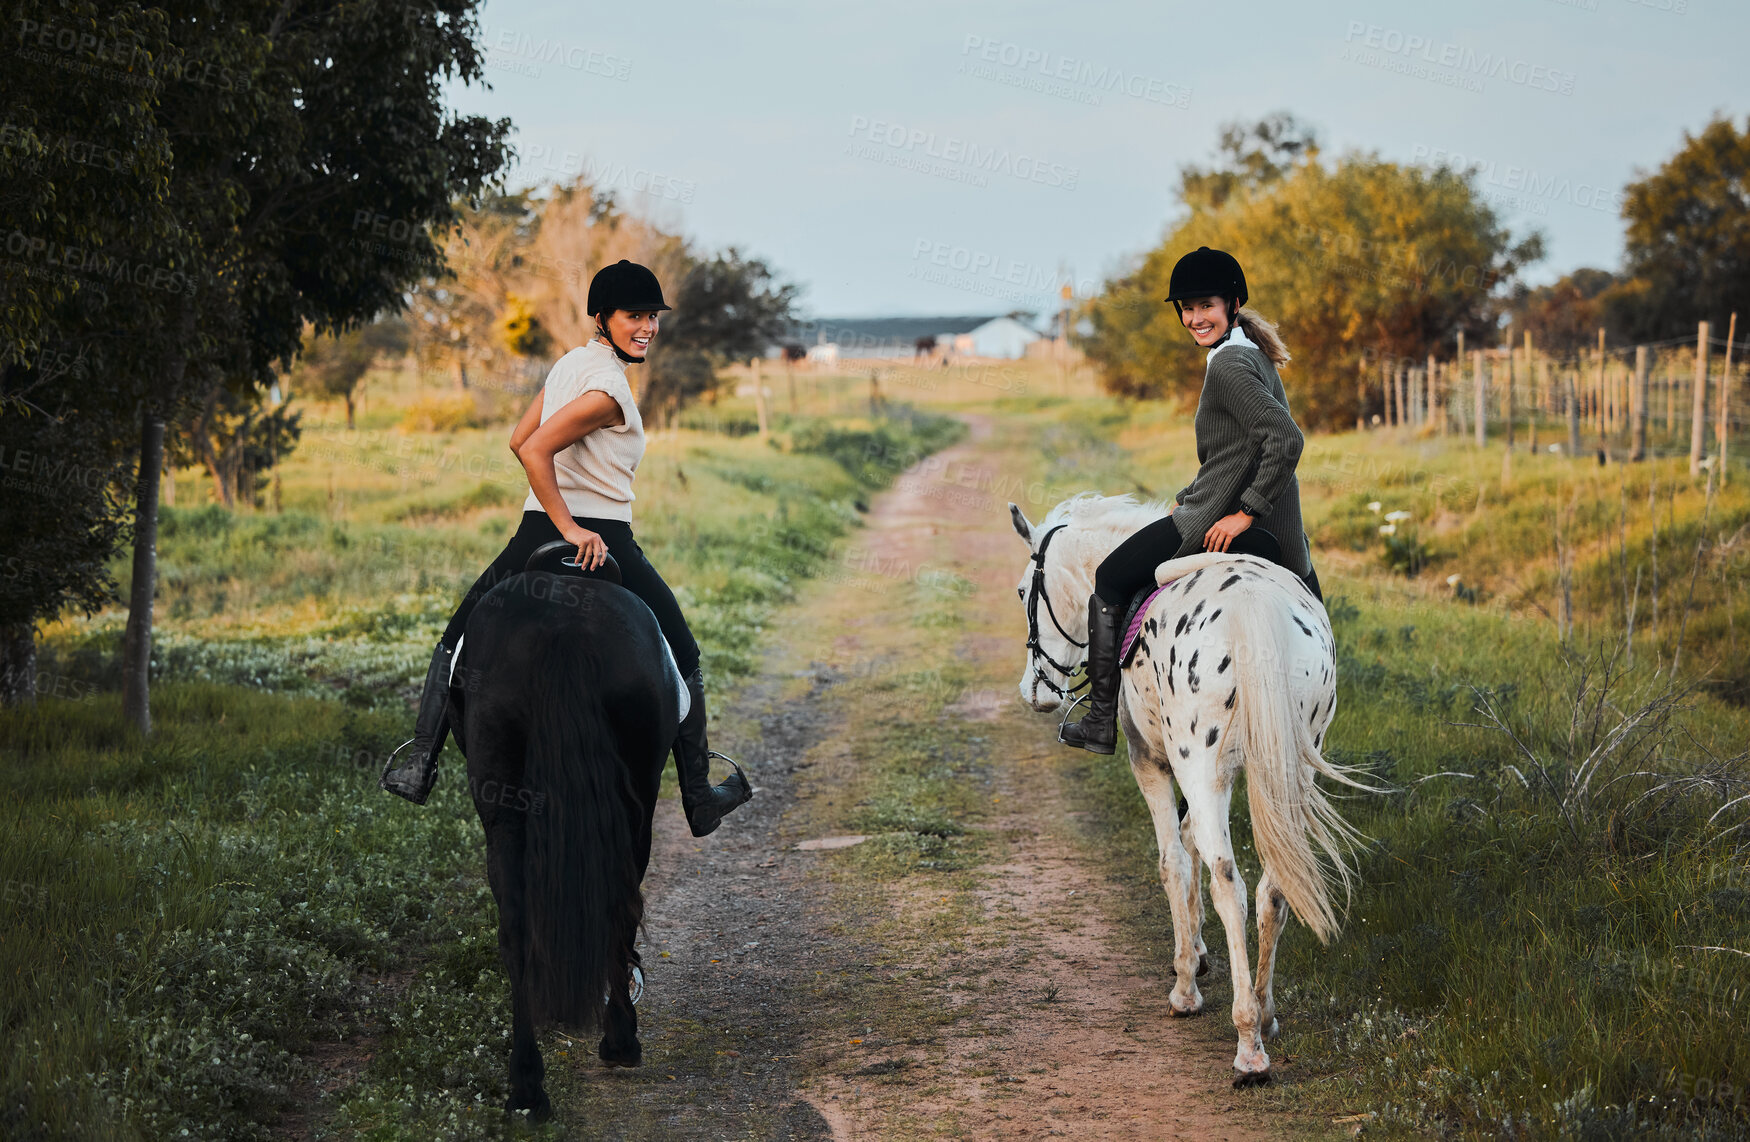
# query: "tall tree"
{"type": "Point", "coordinates": [1564, 317]}
{"type": "Point", "coordinates": [84, 167]}
{"type": "Point", "coordinates": [292, 147]}
{"type": "Point", "coordinates": [1687, 250]}
{"type": "Point", "coordinates": [1357, 261]}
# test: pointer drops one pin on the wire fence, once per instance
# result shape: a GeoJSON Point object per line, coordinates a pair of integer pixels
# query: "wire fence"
{"type": "Point", "coordinates": [1678, 397]}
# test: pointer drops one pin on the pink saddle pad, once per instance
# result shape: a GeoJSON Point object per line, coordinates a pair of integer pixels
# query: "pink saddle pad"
{"type": "Point", "coordinates": [1135, 628]}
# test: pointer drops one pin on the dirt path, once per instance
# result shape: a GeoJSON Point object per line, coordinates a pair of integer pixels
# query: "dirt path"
{"type": "Point", "coordinates": [764, 962]}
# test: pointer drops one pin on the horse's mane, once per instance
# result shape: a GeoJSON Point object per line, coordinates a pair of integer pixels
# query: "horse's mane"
{"type": "Point", "coordinates": [1123, 513]}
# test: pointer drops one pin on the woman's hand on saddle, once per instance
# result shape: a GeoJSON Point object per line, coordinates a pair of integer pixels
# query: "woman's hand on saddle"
{"type": "Point", "coordinates": [592, 549]}
{"type": "Point", "coordinates": [1225, 530]}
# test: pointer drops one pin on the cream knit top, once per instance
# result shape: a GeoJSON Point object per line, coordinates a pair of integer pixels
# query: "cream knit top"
{"type": "Point", "coordinates": [595, 473]}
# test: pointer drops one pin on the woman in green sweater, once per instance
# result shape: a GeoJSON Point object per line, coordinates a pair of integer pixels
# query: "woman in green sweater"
{"type": "Point", "coordinates": [1244, 498]}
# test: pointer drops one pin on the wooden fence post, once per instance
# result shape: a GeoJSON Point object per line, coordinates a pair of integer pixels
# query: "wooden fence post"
{"type": "Point", "coordinates": [1507, 397]}
{"type": "Point", "coordinates": [1573, 413]}
{"type": "Point", "coordinates": [1638, 403]}
{"type": "Point", "coordinates": [1723, 427]}
{"type": "Point", "coordinates": [1698, 418]}
{"type": "Point", "coordinates": [1481, 387]}
{"type": "Point", "coordinates": [1431, 386]}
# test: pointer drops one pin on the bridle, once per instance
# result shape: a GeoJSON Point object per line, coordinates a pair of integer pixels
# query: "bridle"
{"type": "Point", "coordinates": [1036, 652]}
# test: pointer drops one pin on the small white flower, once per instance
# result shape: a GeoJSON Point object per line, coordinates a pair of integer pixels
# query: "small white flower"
{"type": "Point", "coordinates": [1374, 507]}
{"type": "Point", "coordinates": [1396, 517]}
{"type": "Point", "coordinates": [1388, 529]}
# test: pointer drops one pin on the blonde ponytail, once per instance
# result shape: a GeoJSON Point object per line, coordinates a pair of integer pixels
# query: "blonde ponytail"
{"type": "Point", "coordinates": [1263, 334]}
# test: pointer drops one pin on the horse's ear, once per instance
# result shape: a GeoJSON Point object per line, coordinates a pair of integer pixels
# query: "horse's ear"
{"type": "Point", "coordinates": [1023, 528]}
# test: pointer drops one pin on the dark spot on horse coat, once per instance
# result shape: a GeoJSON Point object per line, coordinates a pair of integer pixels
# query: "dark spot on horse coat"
{"type": "Point", "coordinates": [1184, 751]}
{"type": "Point", "coordinates": [1198, 609]}
{"type": "Point", "coordinates": [1193, 728]}
{"type": "Point", "coordinates": [1213, 734]}
{"type": "Point", "coordinates": [1304, 629]}
{"type": "Point", "coordinates": [1224, 868]}
{"type": "Point", "coordinates": [1179, 627]}
{"type": "Point", "coordinates": [1231, 580]}
{"type": "Point", "coordinates": [1191, 672]}
{"type": "Point", "coordinates": [1225, 660]}
{"type": "Point", "coordinates": [1213, 615]}
{"type": "Point", "coordinates": [1230, 698]}
{"type": "Point", "coordinates": [1151, 627]}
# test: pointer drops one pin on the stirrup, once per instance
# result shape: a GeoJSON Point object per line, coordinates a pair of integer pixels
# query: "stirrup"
{"type": "Point", "coordinates": [1068, 710]}
{"type": "Point", "coordinates": [634, 987]}
{"type": "Point", "coordinates": [389, 766]}
{"type": "Point", "coordinates": [733, 764]}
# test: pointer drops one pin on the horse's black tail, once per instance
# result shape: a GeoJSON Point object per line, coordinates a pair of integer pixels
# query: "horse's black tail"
{"type": "Point", "coordinates": [580, 868]}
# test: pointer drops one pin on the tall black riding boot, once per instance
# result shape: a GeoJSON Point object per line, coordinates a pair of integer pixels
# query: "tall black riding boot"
{"type": "Point", "coordinates": [705, 804]}
{"type": "Point", "coordinates": [414, 777]}
{"type": "Point", "coordinates": [1097, 732]}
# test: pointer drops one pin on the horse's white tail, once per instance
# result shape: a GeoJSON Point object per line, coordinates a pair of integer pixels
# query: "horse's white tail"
{"type": "Point", "coordinates": [1290, 813]}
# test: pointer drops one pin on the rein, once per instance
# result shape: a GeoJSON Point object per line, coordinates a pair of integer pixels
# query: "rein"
{"type": "Point", "coordinates": [1035, 592]}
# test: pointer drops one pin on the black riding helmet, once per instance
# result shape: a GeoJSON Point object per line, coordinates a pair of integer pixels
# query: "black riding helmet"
{"type": "Point", "coordinates": [623, 285]}
{"type": "Point", "coordinates": [1206, 273]}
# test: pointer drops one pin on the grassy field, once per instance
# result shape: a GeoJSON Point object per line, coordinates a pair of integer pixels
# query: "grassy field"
{"type": "Point", "coordinates": [1550, 935]}
{"type": "Point", "coordinates": [193, 914]}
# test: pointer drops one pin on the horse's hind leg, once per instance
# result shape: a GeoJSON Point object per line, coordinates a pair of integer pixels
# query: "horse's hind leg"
{"type": "Point", "coordinates": [504, 851]}
{"type": "Point", "coordinates": [1209, 794]}
{"type": "Point", "coordinates": [1178, 878]}
{"type": "Point", "coordinates": [1273, 914]}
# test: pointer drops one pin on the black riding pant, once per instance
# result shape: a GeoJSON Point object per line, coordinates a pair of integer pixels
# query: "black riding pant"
{"type": "Point", "coordinates": [636, 575]}
{"type": "Point", "coordinates": [1131, 566]}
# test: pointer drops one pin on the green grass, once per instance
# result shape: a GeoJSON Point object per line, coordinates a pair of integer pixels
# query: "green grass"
{"type": "Point", "coordinates": [192, 914]}
{"type": "Point", "coordinates": [1519, 960]}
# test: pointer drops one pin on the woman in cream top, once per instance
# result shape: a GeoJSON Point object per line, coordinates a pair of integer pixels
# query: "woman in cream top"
{"type": "Point", "coordinates": [580, 443]}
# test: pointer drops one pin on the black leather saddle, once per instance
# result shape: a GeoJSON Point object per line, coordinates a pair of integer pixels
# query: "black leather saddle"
{"type": "Point", "coordinates": [560, 558]}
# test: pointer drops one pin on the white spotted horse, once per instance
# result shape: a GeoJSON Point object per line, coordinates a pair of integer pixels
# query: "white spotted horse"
{"type": "Point", "coordinates": [1232, 667]}
{"type": "Point", "coordinates": [566, 704]}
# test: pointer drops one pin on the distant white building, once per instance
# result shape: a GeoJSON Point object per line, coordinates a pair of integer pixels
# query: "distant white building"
{"type": "Point", "coordinates": [1001, 337]}
{"type": "Point", "coordinates": [826, 353]}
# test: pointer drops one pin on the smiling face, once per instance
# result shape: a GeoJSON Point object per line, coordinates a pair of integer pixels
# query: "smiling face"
{"type": "Point", "coordinates": [632, 329]}
{"type": "Point", "coordinates": [1206, 318]}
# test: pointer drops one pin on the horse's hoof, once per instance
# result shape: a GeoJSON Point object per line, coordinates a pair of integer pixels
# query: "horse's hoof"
{"type": "Point", "coordinates": [621, 1056]}
{"type": "Point", "coordinates": [1244, 1079]}
{"type": "Point", "coordinates": [1202, 965]}
{"type": "Point", "coordinates": [538, 1108]}
{"type": "Point", "coordinates": [1191, 1014]}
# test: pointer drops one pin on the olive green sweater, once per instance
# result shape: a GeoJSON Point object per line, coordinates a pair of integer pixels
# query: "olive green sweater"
{"type": "Point", "coordinates": [1247, 446]}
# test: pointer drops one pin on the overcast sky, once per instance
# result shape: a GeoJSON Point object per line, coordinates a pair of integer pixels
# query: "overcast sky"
{"type": "Point", "coordinates": [954, 157]}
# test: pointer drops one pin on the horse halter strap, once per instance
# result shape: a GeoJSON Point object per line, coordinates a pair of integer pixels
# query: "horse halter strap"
{"type": "Point", "coordinates": [1035, 593]}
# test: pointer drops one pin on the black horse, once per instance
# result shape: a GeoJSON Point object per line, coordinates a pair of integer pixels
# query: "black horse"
{"type": "Point", "coordinates": [566, 711]}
